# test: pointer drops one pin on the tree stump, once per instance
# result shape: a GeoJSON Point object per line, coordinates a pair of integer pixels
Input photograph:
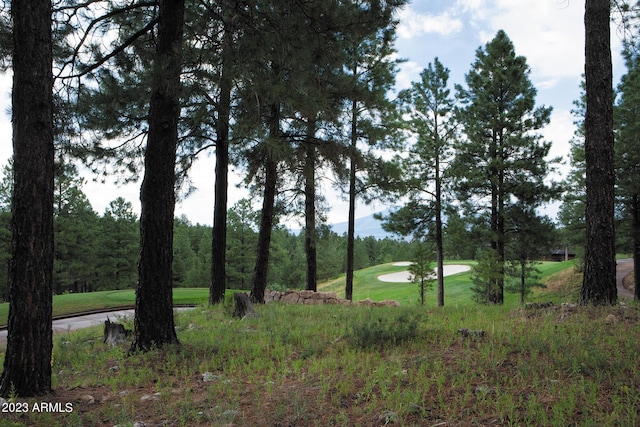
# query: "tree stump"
{"type": "Point", "coordinates": [243, 306]}
{"type": "Point", "coordinates": [114, 332]}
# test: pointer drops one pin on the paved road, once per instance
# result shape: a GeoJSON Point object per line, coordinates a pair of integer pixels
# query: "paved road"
{"type": "Point", "coordinates": [623, 267]}
{"type": "Point", "coordinates": [79, 322]}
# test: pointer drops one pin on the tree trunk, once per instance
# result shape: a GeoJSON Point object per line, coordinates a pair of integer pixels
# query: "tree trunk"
{"type": "Point", "coordinates": [348, 291]}
{"type": "Point", "coordinates": [311, 235]}
{"type": "Point", "coordinates": [219, 232]}
{"type": "Point", "coordinates": [154, 324]}
{"type": "Point", "coordinates": [636, 245]}
{"type": "Point", "coordinates": [439, 245]}
{"type": "Point", "coordinates": [523, 279]}
{"type": "Point", "coordinates": [27, 362]}
{"type": "Point", "coordinates": [599, 282]}
{"type": "Point", "coordinates": [261, 270]}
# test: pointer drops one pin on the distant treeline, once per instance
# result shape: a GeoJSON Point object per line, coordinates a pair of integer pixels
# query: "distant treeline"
{"type": "Point", "coordinates": [94, 252]}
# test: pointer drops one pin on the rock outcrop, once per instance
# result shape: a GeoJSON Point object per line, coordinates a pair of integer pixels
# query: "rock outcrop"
{"type": "Point", "coordinates": [316, 298]}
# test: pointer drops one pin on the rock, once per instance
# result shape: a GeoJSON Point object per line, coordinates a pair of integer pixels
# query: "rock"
{"type": "Point", "coordinates": [87, 399]}
{"type": "Point", "coordinates": [388, 417]}
{"type": "Point", "coordinates": [537, 305]}
{"type": "Point", "coordinates": [290, 298]}
{"type": "Point", "coordinates": [230, 413]}
{"type": "Point", "coordinates": [154, 396]}
{"type": "Point", "coordinates": [611, 318]}
{"type": "Point", "coordinates": [315, 298]}
{"type": "Point", "coordinates": [390, 303]}
{"type": "Point", "coordinates": [483, 390]}
{"type": "Point", "coordinates": [208, 377]}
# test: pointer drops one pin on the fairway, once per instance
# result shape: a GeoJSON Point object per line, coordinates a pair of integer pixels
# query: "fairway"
{"type": "Point", "coordinates": [457, 286]}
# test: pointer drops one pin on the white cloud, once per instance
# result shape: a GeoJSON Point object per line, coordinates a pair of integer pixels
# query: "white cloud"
{"type": "Point", "coordinates": [559, 133]}
{"type": "Point", "coordinates": [548, 33]}
{"type": "Point", "coordinates": [408, 72]}
{"type": "Point", "coordinates": [413, 24]}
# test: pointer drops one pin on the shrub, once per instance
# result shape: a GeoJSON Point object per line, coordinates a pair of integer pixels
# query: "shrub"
{"type": "Point", "coordinates": [380, 328]}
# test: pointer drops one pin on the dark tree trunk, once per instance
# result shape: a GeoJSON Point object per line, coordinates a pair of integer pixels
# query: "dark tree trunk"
{"type": "Point", "coordinates": [154, 324]}
{"type": "Point", "coordinates": [439, 246]}
{"type": "Point", "coordinates": [635, 208]}
{"type": "Point", "coordinates": [348, 290]}
{"type": "Point", "coordinates": [311, 235]}
{"type": "Point", "coordinates": [219, 232]}
{"type": "Point", "coordinates": [27, 362]}
{"type": "Point", "coordinates": [496, 286]}
{"type": "Point", "coordinates": [523, 279]}
{"type": "Point", "coordinates": [599, 282]}
{"type": "Point", "coordinates": [261, 270]}
{"type": "Point", "coordinates": [498, 297]}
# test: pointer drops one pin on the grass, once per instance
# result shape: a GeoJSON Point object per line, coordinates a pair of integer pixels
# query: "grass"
{"type": "Point", "coordinates": [326, 365]}
{"type": "Point", "coordinates": [360, 366]}
{"type": "Point", "coordinates": [367, 285]}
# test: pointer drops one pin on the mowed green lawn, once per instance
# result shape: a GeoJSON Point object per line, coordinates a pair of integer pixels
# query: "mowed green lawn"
{"type": "Point", "coordinates": [366, 285]}
{"type": "Point", "coordinates": [457, 287]}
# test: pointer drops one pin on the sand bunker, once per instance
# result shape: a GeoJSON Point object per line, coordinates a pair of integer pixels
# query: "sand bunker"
{"type": "Point", "coordinates": [405, 276]}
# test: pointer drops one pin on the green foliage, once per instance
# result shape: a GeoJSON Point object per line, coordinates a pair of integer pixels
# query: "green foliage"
{"type": "Point", "coordinates": [380, 329]}
{"type": "Point", "coordinates": [486, 275]}
{"type": "Point", "coordinates": [421, 269]}
{"type": "Point", "coordinates": [531, 236]}
{"type": "Point", "coordinates": [627, 157]}
{"type": "Point", "coordinates": [503, 158]}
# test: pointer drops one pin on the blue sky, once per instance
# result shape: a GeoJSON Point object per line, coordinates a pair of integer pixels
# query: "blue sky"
{"type": "Point", "coordinates": [549, 33]}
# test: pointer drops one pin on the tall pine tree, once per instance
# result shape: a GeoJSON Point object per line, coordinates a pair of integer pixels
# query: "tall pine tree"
{"type": "Point", "coordinates": [502, 157]}
{"type": "Point", "coordinates": [27, 362]}
{"type": "Point", "coordinates": [628, 156]}
{"type": "Point", "coordinates": [599, 280]}
{"type": "Point", "coordinates": [154, 324]}
{"type": "Point", "coordinates": [429, 107]}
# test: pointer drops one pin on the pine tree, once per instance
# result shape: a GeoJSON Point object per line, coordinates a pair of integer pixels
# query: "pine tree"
{"type": "Point", "coordinates": [530, 237]}
{"type": "Point", "coordinates": [371, 70]}
{"type": "Point", "coordinates": [421, 268]}
{"type": "Point", "coordinates": [27, 361]}
{"type": "Point", "coordinates": [430, 109]}
{"type": "Point", "coordinates": [76, 233]}
{"type": "Point", "coordinates": [241, 247]}
{"type": "Point", "coordinates": [154, 324]}
{"type": "Point", "coordinates": [119, 246]}
{"type": "Point", "coordinates": [599, 280]}
{"type": "Point", "coordinates": [502, 157]}
{"type": "Point", "coordinates": [627, 157]}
